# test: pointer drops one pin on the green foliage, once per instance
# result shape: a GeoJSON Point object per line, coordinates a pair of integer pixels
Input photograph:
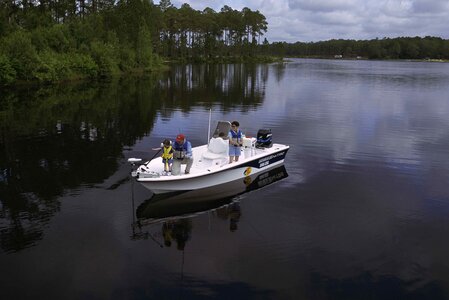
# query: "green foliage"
{"type": "Point", "coordinates": [51, 68]}
{"type": "Point", "coordinates": [7, 72]}
{"type": "Point", "coordinates": [76, 39]}
{"type": "Point", "coordinates": [105, 56]}
{"type": "Point", "coordinates": [374, 50]}
{"type": "Point", "coordinates": [39, 39]}
{"type": "Point", "coordinates": [83, 65]}
{"type": "Point", "coordinates": [83, 31]}
{"type": "Point", "coordinates": [55, 67]}
{"type": "Point", "coordinates": [54, 40]}
{"type": "Point", "coordinates": [127, 58]}
{"type": "Point", "coordinates": [188, 34]}
{"type": "Point", "coordinates": [58, 38]}
{"type": "Point", "coordinates": [66, 39]}
{"type": "Point", "coordinates": [22, 54]}
{"type": "Point", "coordinates": [397, 48]}
{"type": "Point", "coordinates": [394, 49]}
{"type": "Point", "coordinates": [21, 60]}
{"type": "Point", "coordinates": [144, 52]}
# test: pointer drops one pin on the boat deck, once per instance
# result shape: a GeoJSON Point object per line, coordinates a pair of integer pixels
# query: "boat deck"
{"type": "Point", "coordinates": [204, 163]}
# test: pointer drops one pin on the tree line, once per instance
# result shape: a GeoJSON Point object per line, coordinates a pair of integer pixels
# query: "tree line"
{"type": "Point", "coordinates": [386, 48]}
{"type": "Point", "coordinates": [54, 40]}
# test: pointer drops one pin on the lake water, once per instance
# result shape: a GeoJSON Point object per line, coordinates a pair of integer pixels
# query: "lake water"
{"type": "Point", "coordinates": [360, 209]}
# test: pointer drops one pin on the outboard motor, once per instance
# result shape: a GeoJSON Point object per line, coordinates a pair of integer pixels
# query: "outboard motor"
{"type": "Point", "coordinates": [264, 138]}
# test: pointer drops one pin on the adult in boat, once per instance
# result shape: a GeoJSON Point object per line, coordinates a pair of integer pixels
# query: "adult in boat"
{"type": "Point", "coordinates": [182, 154]}
{"type": "Point", "coordinates": [235, 141]}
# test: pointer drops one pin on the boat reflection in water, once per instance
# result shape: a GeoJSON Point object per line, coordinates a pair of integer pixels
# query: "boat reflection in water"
{"type": "Point", "coordinates": [174, 210]}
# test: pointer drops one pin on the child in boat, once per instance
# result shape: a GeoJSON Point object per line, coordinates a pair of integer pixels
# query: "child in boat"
{"type": "Point", "coordinates": [235, 142]}
{"type": "Point", "coordinates": [167, 156]}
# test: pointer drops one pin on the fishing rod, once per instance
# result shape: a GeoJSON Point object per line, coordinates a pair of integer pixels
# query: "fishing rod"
{"type": "Point", "coordinates": [134, 160]}
{"type": "Point", "coordinates": [154, 149]}
{"type": "Point", "coordinates": [208, 131]}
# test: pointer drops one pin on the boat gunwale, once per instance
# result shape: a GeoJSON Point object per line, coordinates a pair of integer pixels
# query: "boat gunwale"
{"type": "Point", "coordinates": [227, 167]}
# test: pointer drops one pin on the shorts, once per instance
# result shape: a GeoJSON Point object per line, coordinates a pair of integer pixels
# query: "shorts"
{"type": "Point", "coordinates": [170, 161]}
{"type": "Point", "coordinates": [234, 151]}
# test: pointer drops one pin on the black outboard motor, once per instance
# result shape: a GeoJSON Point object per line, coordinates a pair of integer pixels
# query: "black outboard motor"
{"type": "Point", "coordinates": [264, 138]}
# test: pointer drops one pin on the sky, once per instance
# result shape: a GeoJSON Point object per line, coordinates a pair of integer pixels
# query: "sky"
{"type": "Point", "coordinates": [320, 20]}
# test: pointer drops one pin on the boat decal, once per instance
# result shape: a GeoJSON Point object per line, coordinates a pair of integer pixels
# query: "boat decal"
{"type": "Point", "coordinates": [247, 171]}
{"type": "Point", "coordinates": [266, 160]}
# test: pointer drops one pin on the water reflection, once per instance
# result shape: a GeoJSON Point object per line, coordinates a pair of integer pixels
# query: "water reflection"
{"type": "Point", "coordinates": [363, 212]}
{"type": "Point", "coordinates": [55, 140]}
{"type": "Point", "coordinates": [58, 140]}
{"type": "Point", "coordinates": [176, 210]}
{"type": "Point", "coordinates": [228, 85]}
{"type": "Point", "coordinates": [391, 75]}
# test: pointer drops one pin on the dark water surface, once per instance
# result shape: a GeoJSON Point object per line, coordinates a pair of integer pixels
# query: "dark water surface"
{"type": "Point", "coordinates": [359, 211]}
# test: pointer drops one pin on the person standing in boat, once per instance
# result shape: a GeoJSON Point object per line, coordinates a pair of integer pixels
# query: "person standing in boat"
{"type": "Point", "coordinates": [167, 156]}
{"type": "Point", "coordinates": [235, 142]}
{"type": "Point", "coordinates": [182, 154]}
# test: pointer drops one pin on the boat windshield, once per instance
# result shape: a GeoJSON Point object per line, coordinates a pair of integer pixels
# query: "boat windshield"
{"type": "Point", "coordinates": [222, 127]}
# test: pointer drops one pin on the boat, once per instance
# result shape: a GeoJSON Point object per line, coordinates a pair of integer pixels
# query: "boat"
{"type": "Point", "coordinates": [211, 165]}
{"type": "Point", "coordinates": [176, 205]}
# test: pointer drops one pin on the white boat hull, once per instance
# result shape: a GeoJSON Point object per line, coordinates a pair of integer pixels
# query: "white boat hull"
{"type": "Point", "coordinates": [206, 172]}
{"type": "Point", "coordinates": [163, 207]}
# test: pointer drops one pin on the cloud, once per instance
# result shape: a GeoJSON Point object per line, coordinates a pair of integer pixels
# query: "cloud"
{"type": "Point", "coordinates": [314, 20]}
{"type": "Point", "coordinates": [321, 5]}
{"type": "Point", "coordinates": [339, 18]}
{"type": "Point", "coordinates": [430, 6]}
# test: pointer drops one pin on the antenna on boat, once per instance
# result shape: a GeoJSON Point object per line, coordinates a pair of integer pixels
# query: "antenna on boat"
{"type": "Point", "coordinates": [208, 131]}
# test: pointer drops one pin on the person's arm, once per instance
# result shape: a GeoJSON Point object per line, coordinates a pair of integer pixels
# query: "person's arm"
{"type": "Point", "coordinates": [189, 149]}
{"type": "Point", "coordinates": [231, 142]}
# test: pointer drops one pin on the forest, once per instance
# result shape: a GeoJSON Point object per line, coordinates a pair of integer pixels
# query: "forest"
{"type": "Point", "coordinates": [430, 48]}
{"type": "Point", "coordinates": [56, 40]}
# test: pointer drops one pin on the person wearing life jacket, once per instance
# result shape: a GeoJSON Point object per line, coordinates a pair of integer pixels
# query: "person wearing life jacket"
{"type": "Point", "coordinates": [235, 142]}
{"type": "Point", "coordinates": [182, 155]}
{"type": "Point", "coordinates": [167, 155]}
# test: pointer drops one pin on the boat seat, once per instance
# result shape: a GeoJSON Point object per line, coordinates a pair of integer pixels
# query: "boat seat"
{"type": "Point", "coordinates": [218, 148]}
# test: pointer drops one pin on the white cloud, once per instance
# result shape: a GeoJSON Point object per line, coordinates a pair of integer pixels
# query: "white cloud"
{"type": "Point", "coordinates": [398, 9]}
{"type": "Point", "coordinates": [314, 20]}
{"type": "Point", "coordinates": [321, 5]}
{"type": "Point", "coordinates": [342, 18]}
{"type": "Point", "coordinates": [430, 6]}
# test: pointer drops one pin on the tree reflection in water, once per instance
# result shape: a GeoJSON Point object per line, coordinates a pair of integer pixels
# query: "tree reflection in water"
{"type": "Point", "coordinates": [54, 140]}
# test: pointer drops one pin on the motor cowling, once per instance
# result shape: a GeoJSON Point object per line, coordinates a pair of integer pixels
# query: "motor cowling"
{"type": "Point", "coordinates": [264, 138]}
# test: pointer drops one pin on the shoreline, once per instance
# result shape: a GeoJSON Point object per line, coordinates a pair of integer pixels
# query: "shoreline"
{"type": "Point", "coordinates": [228, 60]}
{"type": "Point", "coordinates": [164, 66]}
